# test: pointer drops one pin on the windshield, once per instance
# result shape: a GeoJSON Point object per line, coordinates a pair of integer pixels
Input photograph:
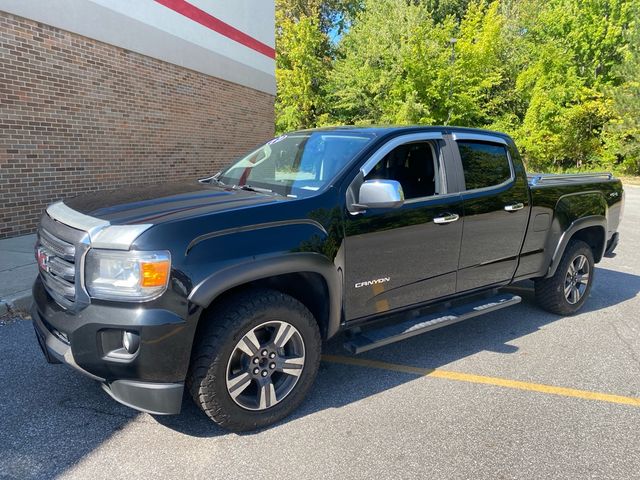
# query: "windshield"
{"type": "Point", "coordinates": [297, 164]}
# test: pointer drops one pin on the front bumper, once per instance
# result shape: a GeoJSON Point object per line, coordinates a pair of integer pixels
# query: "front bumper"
{"type": "Point", "coordinates": [151, 381]}
{"type": "Point", "coordinates": [54, 349]}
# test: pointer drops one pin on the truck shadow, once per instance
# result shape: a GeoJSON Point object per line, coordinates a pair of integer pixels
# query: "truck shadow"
{"type": "Point", "coordinates": [339, 385]}
{"type": "Point", "coordinates": [51, 418]}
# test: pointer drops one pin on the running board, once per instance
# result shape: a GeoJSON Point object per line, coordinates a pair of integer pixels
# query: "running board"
{"type": "Point", "coordinates": [379, 337]}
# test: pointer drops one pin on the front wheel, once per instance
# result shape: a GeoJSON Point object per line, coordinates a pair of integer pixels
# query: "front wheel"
{"type": "Point", "coordinates": [255, 360]}
{"type": "Point", "coordinates": [566, 291]}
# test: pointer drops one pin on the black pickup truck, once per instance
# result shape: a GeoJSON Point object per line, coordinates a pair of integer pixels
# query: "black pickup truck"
{"type": "Point", "coordinates": [229, 285]}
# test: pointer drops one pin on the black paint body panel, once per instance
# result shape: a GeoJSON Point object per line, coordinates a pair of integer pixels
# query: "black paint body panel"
{"type": "Point", "coordinates": [418, 256]}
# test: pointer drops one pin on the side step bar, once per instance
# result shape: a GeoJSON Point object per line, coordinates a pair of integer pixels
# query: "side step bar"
{"type": "Point", "coordinates": [375, 338]}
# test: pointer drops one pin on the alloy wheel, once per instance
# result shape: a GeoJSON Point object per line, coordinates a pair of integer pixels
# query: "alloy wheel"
{"type": "Point", "coordinates": [577, 279]}
{"type": "Point", "coordinates": [265, 365]}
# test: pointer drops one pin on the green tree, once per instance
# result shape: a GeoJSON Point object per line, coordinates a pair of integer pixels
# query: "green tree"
{"type": "Point", "coordinates": [622, 134]}
{"type": "Point", "coordinates": [332, 15]}
{"type": "Point", "coordinates": [441, 9]}
{"type": "Point", "coordinates": [373, 80]}
{"type": "Point", "coordinates": [572, 45]}
{"type": "Point", "coordinates": [304, 52]}
{"type": "Point", "coordinates": [302, 64]}
{"type": "Point", "coordinates": [479, 70]}
{"type": "Point", "coordinates": [559, 75]}
{"type": "Point", "coordinates": [396, 66]}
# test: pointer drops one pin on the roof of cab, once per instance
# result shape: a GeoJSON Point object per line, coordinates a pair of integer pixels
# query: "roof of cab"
{"type": "Point", "coordinates": [382, 131]}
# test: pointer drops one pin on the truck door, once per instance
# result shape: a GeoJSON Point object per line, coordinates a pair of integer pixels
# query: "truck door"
{"type": "Point", "coordinates": [496, 210]}
{"type": "Point", "coordinates": [406, 255]}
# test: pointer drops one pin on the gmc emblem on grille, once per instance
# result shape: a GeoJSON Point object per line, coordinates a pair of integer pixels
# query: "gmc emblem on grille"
{"type": "Point", "coordinates": [43, 259]}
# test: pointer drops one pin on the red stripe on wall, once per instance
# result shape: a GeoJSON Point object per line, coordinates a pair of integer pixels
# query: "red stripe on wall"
{"type": "Point", "coordinates": [203, 18]}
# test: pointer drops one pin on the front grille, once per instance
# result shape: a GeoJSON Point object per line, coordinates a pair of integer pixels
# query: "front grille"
{"type": "Point", "coordinates": [58, 250]}
{"type": "Point", "coordinates": [57, 246]}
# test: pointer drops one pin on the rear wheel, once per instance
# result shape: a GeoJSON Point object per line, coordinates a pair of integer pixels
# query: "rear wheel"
{"type": "Point", "coordinates": [255, 361]}
{"type": "Point", "coordinates": [566, 291]}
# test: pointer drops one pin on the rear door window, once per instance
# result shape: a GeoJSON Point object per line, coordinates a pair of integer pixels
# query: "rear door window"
{"type": "Point", "coordinates": [484, 164]}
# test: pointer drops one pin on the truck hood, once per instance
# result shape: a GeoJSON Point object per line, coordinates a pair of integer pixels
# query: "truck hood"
{"type": "Point", "coordinates": [153, 204]}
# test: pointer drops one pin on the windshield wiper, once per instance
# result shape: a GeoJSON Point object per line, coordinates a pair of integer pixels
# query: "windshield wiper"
{"type": "Point", "coordinates": [251, 188]}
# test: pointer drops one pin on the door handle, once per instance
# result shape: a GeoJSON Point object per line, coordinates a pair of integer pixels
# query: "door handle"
{"type": "Point", "coordinates": [446, 218]}
{"type": "Point", "coordinates": [514, 207]}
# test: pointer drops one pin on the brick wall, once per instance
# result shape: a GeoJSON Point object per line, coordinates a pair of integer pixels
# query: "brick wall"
{"type": "Point", "coordinates": [79, 115]}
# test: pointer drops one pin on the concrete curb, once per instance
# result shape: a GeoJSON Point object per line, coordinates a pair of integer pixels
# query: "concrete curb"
{"type": "Point", "coordinates": [19, 302]}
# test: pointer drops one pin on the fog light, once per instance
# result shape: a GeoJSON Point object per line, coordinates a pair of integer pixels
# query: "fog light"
{"type": "Point", "coordinates": [130, 342]}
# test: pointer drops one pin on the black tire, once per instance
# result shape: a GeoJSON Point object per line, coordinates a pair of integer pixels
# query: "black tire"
{"type": "Point", "coordinates": [219, 346]}
{"type": "Point", "coordinates": [550, 292]}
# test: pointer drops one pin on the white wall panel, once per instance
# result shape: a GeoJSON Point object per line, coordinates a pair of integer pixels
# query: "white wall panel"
{"type": "Point", "coordinates": [150, 28]}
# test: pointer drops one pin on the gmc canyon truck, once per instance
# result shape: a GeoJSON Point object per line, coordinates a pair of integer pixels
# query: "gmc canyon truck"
{"type": "Point", "coordinates": [228, 285]}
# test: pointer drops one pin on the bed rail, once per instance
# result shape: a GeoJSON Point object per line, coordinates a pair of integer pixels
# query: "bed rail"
{"type": "Point", "coordinates": [554, 179]}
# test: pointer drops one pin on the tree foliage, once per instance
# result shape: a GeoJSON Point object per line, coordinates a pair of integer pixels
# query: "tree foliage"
{"type": "Point", "coordinates": [623, 132]}
{"type": "Point", "coordinates": [301, 73]}
{"type": "Point", "coordinates": [304, 54]}
{"type": "Point", "coordinates": [331, 14]}
{"type": "Point", "coordinates": [561, 76]}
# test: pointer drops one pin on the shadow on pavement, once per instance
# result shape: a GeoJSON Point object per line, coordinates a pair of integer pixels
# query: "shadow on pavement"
{"type": "Point", "coordinates": [52, 417]}
{"type": "Point", "coordinates": [338, 385]}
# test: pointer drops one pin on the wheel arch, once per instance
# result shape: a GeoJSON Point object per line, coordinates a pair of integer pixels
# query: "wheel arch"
{"type": "Point", "coordinates": [591, 229]}
{"type": "Point", "coordinates": [308, 277]}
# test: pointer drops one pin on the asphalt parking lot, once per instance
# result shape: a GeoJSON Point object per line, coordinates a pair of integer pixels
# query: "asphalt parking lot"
{"type": "Point", "coordinates": [518, 393]}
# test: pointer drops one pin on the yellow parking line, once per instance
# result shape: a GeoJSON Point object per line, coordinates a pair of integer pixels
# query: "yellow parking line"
{"type": "Point", "coordinates": [471, 378]}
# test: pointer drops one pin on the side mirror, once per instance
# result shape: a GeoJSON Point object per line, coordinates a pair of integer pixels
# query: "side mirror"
{"type": "Point", "coordinates": [380, 194]}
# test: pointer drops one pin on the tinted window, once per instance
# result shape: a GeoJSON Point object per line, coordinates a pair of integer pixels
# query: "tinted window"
{"type": "Point", "coordinates": [484, 164]}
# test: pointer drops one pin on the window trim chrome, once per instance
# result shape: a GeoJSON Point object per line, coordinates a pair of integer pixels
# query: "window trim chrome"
{"type": "Point", "coordinates": [379, 154]}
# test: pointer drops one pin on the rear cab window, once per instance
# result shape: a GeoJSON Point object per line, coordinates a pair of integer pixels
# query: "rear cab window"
{"type": "Point", "coordinates": [484, 164]}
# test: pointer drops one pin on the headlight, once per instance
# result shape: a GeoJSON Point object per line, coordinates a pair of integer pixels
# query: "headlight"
{"type": "Point", "coordinates": [126, 276]}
